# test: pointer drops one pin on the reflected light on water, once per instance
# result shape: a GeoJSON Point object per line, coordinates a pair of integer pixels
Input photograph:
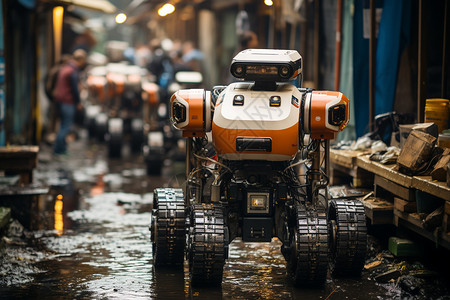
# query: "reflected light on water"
{"type": "Point", "coordinates": [59, 223]}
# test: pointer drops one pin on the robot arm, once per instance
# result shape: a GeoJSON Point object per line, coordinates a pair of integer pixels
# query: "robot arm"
{"type": "Point", "coordinates": [325, 113]}
{"type": "Point", "coordinates": [190, 111]}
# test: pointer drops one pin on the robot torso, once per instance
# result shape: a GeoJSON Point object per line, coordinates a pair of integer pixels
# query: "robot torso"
{"type": "Point", "coordinates": [257, 125]}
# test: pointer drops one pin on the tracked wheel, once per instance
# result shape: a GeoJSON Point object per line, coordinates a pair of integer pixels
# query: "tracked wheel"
{"type": "Point", "coordinates": [137, 135]}
{"type": "Point", "coordinates": [115, 144]}
{"type": "Point", "coordinates": [347, 237]}
{"type": "Point", "coordinates": [207, 244]}
{"type": "Point", "coordinates": [168, 227]}
{"type": "Point", "coordinates": [307, 263]}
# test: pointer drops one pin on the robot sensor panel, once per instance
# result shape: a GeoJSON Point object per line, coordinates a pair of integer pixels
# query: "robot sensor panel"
{"type": "Point", "coordinates": [266, 65]}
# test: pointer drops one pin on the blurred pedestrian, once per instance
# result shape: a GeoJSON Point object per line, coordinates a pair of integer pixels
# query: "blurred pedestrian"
{"type": "Point", "coordinates": [192, 56]}
{"type": "Point", "coordinates": [178, 62]}
{"type": "Point", "coordinates": [247, 40]}
{"type": "Point", "coordinates": [160, 66]}
{"type": "Point", "coordinates": [49, 88]}
{"type": "Point", "coordinates": [67, 97]}
{"type": "Point", "coordinates": [142, 55]}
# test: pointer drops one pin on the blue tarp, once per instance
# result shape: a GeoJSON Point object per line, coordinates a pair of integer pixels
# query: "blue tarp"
{"type": "Point", "coordinates": [393, 36]}
{"type": "Point", "coordinates": [360, 71]}
{"type": "Point", "coordinates": [346, 73]}
{"type": "Point", "coordinates": [392, 39]}
{"type": "Point", "coordinates": [28, 3]}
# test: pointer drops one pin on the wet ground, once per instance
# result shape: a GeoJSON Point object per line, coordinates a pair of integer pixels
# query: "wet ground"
{"type": "Point", "coordinates": [92, 242]}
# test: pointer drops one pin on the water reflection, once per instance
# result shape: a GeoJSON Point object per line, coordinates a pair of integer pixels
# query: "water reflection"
{"type": "Point", "coordinates": [59, 222]}
{"type": "Point", "coordinates": [168, 284]}
{"type": "Point", "coordinates": [96, 244]}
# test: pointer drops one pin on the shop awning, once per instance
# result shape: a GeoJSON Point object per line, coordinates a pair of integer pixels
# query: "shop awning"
{"type": "Point", "coordinates": [99, 5]}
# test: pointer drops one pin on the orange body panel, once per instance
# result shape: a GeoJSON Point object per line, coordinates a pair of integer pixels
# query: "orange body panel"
{"type": "Point", "coordinates": [195, 115]}
{"type": "Point", "coordinates": [118, 81]}
{"type": "Point", "coordinates": [150, 93]}
{"type": "Point", "coordinates": [284, 142]}
{"type": "Point", "coordinates": [101, 92]}
{"type": "Point", "coordinates": [134, 78]}
{"type": "Point", "coordinates": [96, 85]}
{"type": "Point", "coordinates": [318, 118]}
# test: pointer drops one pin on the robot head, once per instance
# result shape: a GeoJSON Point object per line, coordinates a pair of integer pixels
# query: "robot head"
{"type": "Point", "coordinates": [266, 65]}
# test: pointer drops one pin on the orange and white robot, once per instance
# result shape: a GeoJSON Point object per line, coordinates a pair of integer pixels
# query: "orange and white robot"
{"type": "Point", "coordinates": [263, 127]}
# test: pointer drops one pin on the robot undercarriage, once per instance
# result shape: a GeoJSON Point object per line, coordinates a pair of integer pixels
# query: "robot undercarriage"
{"type": "Point", "coordinates": [257, 201]}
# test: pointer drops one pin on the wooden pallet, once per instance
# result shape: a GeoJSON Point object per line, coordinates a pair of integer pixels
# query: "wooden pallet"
{"type": "Point", "coordinates": [19, 160]}
{"type": "Point", "coordinates": [428, 185]}
{"type": "Point", "coordinates": [380, 210]}
{"type": "Point", "coordinates": [388, 172]}
{"type": "Point", "coordinates": [343, 169]}
{"type": "Point", "coordinates": [413, 222]}
{"type": "Point", "coordinates": [381, 183]}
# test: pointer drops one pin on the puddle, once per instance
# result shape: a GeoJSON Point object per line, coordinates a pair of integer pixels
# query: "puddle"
{"type": "Point", "coordinates": [94, 243]}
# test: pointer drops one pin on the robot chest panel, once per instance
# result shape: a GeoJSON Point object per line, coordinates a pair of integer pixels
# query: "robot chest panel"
{"type": "Point", "coordinates": [256, 125]}
{"type": "Point", "coordinates": [260, 110]}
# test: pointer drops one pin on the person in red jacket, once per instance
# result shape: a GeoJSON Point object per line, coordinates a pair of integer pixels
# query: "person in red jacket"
{"type": "Point", "coordinates": [67, 97]}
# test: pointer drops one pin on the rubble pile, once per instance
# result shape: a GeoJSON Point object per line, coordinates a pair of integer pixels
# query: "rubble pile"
{"type": "Point", "coordinates": [407, 277]}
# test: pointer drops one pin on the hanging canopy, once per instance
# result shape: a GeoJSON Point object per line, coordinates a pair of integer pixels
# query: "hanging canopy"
{"type": "Point", "coordinates": [99, 5]}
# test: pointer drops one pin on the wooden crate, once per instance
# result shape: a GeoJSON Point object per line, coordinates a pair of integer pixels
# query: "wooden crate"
{"type": "Point", "coordinates": [417, 148]}
{"type": "Point", "coordinates": [378, 210]}
{"type": "Point", "coordinates": [405, 206]}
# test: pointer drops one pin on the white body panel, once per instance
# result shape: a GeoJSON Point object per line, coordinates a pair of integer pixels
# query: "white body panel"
{"type": "Point", "coordinates": [256, 118]}
{"type": "Point", "coordinates": [256, 112]}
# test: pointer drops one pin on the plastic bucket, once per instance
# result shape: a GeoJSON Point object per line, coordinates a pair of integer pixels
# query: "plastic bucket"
{"type": "Point", "coordinates": [437, 111]}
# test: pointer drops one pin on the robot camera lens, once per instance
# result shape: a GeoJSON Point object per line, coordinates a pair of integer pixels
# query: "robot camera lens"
{"type": "Point", "coordinates": [238, 70]}
{"type": "Point", "coordinates": [284, 71]}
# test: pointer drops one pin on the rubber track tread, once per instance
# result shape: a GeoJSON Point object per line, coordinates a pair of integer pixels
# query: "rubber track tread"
{"type": "Point", "coordinates": [312, 248]}
{"type": "Point", "coordinates": [207, 244]}
{"type": "Point", "coordinates": [169, 241]}
{"type": "Point", "coordinates": [351, 238]}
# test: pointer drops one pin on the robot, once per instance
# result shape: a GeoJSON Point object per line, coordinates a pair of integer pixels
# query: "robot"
{"type": "Point", "coordinates": [264, 129]}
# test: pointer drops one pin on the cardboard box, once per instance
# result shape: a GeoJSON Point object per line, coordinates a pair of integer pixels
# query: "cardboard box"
{"type": "Point", "coordinates": [416, 151]}
{"type": "Point", "coordinates": [405, 130]}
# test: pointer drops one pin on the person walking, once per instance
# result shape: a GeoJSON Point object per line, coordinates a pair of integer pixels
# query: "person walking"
{"type": "Point", "coordinates": [67, 97]}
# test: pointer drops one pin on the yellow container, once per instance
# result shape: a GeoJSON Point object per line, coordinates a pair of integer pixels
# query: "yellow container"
{"type": "Point", "coordinates": [437, 111]}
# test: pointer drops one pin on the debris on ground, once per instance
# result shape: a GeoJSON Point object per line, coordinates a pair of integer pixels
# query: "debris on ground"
{"type": "Point", "coordinates": [388, 276]}
{"type": "Point", "coordinates": [405, 276]}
